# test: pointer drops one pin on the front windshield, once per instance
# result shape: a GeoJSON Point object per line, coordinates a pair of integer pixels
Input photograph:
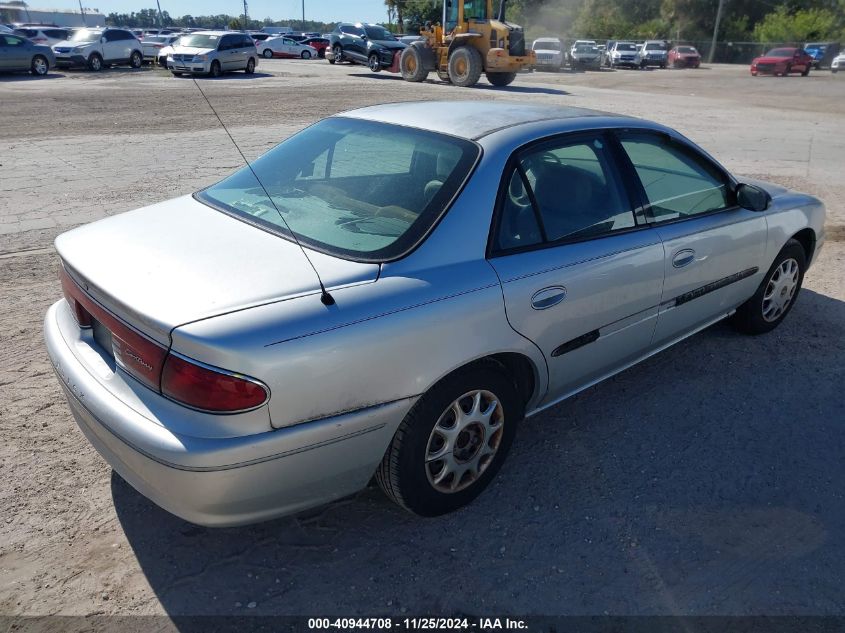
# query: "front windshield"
{"type": "Point", "coordinates": [358, 189]}
{"type": "Point", "coordinates": [156, 39]}
{"type": "Point", "coordinates": [86, 36]}
{"type": "Point", "coordinates": [626, 47]}
{"type": "Point", "coordinates": [379, 33]}
{"type": "Point", "coordinates": [655, 47]}
{"type": "Point", "coordinates": [546, 46]}
{"type": "Point", "coordinates": [687, 49]}
{"type": "Point", "coordinates": [781, 52]}
{"type": "Point", "coordinates": [587, 49]}
{"type": "Point", "coordinates": [200, 41]}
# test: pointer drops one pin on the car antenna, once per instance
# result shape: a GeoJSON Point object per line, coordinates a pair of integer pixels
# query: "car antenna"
{"type": "Point", "coordinates": [325, 297]}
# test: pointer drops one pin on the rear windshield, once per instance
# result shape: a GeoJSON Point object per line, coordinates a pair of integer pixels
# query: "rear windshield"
{"type": "Point", "coordinates": [687, 49]}
{"type": "Point", "coordinates": [547, 46]}
{"type": "Point", "coordinates": [355, 189]}
{"type": "Point", "coordinates": [781, 52]}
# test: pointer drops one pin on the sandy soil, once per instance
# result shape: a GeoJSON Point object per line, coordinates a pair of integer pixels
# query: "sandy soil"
{"type": "Point", "coordinates": [707, 480]}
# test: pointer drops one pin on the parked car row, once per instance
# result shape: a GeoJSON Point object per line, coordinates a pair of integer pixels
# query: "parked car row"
{"type": "Point", "coordinates": [591, 55]}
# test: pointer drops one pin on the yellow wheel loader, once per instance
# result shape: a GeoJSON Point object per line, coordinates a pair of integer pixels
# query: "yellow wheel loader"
{"type": "Point", "coordinates": [470, 40]}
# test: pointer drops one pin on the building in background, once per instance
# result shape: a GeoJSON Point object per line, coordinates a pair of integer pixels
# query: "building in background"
{"type": "Point", "coordinates": [21, 13]}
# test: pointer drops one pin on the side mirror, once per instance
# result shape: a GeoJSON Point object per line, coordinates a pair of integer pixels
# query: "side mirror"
{"type": "Point", "coordinates": [102, 40]}
{"type": "Point", "coordinates": [752, 198]}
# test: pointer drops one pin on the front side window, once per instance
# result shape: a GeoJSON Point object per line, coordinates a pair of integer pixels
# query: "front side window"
{"type": "Point", "coordinates": [677, 183]}
{"type": "Point", "coordinates": [475, 9]}
{"type": "Point", "coordinates": [562, 191]}
{"type": "Point", "coordinates": [379, 33]}
{"type": "Point", "coordinates": [11, 40]}
{"type": "Point", "coordinates": [358, 189]}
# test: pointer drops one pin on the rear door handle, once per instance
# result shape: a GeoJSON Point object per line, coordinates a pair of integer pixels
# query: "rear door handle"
{"type": "Point", "coordinates": [548, 297]}
{"type": "Point", "coordinates": [683, 258]}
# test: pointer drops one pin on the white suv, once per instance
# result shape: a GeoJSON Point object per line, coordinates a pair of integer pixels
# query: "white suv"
{"type": "Point", "coordinates": [97, 48]}
{"type": "Point", "coordinates": [46, 36]}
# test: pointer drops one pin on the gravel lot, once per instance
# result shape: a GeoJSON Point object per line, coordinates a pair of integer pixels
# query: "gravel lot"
{"type": "Point", "coordinates": [708, 480]}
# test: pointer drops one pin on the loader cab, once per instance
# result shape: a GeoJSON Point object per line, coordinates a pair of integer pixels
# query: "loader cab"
{"type": "Point", "coordinates": [476, 10]}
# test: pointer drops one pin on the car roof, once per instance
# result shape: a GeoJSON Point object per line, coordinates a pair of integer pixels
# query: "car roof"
{"type": "Point", "coordinates": [468, 119]}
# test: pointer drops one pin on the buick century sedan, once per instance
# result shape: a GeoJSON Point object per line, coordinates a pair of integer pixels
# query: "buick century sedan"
{"type": "Point", "coordinates": [388, 293]}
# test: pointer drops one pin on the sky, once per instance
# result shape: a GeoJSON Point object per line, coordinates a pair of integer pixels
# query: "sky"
{"type": "Point", "coordinates": [321, 10]}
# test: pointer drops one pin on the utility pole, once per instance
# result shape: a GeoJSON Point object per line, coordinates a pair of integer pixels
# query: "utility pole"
{"type": "Point", "coordinates": [246, 16]}
{"type": "Point", "coordinates": [82, 11]}
{"type": "Point", "coordinates": [715, 32]}
{"type": "Point", "coordinates": [303, 15]}
{"type": "Point", "coordinates": [160, 15]}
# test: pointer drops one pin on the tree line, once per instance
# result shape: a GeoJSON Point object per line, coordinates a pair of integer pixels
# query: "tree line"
{"type": "Point", "coordinates": [676, 20]}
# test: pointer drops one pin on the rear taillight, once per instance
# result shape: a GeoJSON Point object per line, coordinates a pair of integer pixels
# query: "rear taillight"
{"type": "Point", "coordinates": [183, 380]}
{"type": "Point", "coordinates": [140, 356]}
{"type": "Point", "coordinates": [209, 389]}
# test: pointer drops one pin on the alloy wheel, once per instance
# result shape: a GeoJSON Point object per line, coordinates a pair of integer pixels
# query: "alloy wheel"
{"type": "Point", "coordinates": [464, 441]}
{"type": "Point", "coordinates": [780, 290]}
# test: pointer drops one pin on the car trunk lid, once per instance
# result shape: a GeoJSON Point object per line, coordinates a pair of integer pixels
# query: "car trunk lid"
{"type": "Point", "coordinates": [180, 261]}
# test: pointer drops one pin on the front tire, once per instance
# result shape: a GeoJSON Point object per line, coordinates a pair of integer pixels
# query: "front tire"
{"type": "Point", "coordinates": [216, 69]}
{"type": "Point", "coordinates": [337, 50]}
{"type": "Point", "coordinates": [412, 66]}
{"type": "Point", "coordinates": [453, 441]}
{"type": "Point", "coordinates": [136, 60]}
{"type": "Point", "coordinates": [306, 55]}
{"type": "Point", "coordinates": [806, 71]}
{"type": "Point", "coordinates": [501, 79]}
{"type": "Point", "coordinates": [40, 66]}
{"type": "Point", "coordinates": [776, 294]}
{"type": "Point", "coordinates": [465, 66]}
{"type": "Point", "coordinates": [95, 62]}
{"type": "Point", "coordinates": [373, 63]}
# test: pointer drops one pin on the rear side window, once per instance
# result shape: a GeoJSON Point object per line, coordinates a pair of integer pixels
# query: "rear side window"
{"type": "Point", "coordinates": [56, 34]}
{"type": "Point", "coordinates": [677, 183]}
{"type": "Point", "coordinates": [26, 32]}
{"type": "Point", "coordinates": [562, 191]}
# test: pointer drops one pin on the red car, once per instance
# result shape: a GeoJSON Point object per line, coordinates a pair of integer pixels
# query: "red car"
{"type": "Point", "coordinates": [684, 57]}
{"type": "Point", "coordinates": [320, 43]}
{"type": "Point", "coordinates": [782, 61]}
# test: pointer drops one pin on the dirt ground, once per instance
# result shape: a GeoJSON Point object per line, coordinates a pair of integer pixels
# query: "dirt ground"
{"type": "Point", "coordinates": [707, 480]}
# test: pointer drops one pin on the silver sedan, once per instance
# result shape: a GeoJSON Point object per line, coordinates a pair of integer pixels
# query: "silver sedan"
{"type": "Point", "coordinates": [18, 54]}
{"type": "Point", "coordinates": [392, 290]}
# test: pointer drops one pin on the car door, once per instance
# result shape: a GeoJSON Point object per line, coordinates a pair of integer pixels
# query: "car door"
{"type": "Point", "coordinates": [15, 52]}
{"type": "Point", "coordinates": [246, 49]}
{"type": "Point", "coordinates": [581, 276]}
{"type": "Point", "coordinates": [112, 47]}
{"type": "Point", "coordinates": [353, 43]}
{"type": "Point", "coordinates": [714, 249]}
{"type": "Point", "coordinates": [227, 53]}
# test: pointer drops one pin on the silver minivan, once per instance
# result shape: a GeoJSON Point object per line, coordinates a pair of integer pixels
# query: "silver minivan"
{"type": "Point", "coordinates": [213, 53]}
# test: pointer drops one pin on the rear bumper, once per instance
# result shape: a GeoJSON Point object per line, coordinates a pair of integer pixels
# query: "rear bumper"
{"type": "Point", "coordinates": [230, 480]}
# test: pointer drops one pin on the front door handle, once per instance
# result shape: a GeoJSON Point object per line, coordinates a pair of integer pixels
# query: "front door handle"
{"type": "Point", "coordinates": [683, 258]}
{"type": "Point", "coordinates": [548, 297]}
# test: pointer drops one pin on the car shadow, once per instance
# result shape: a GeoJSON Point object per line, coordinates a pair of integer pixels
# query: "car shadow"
{"type": "Point", "coordinates": [702, 481]}
{"type": "Point", "coordinates": [481, 85]}
{"type": "Point", "coordinates": [226, 76]}
{"type": "Point", "coordinates": [27, 76]}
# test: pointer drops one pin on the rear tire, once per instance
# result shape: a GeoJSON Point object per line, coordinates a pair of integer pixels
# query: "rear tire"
{"type": "Point", "coordinates": [268, 54]}
{"type": "Point", "coordinates": [472, 446]}
{"type": "Point", "coordinates": [250, 66]}
{"type": "Point", "coordinates": [176, 74]}
{"type": "Point", "coordinates": [306, 55]}
{"type": "Point", "coordinates": [39, 66]}
{"type": "Point", "coordinates": [412, 66]}
{"type": "Point", "coordinates": [501, 79]}
{"type": "Point", "coordinates": [465, 66]}
{"type": "Point", "coordinates": [777, 293]}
